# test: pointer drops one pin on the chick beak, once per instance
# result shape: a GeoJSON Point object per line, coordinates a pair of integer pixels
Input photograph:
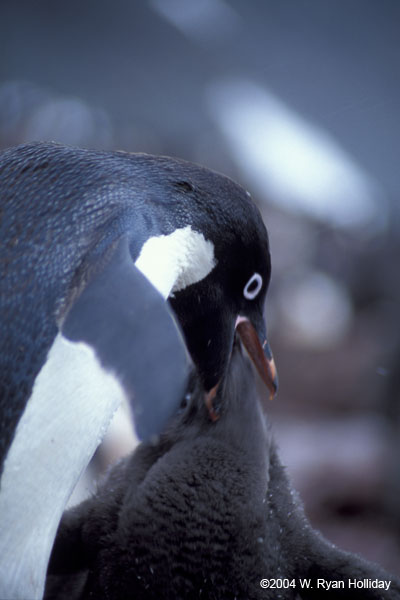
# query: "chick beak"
{"type": "Point", "coordinates": [259, 352]}
{"type": "Point", "coordinates": [208, 399]}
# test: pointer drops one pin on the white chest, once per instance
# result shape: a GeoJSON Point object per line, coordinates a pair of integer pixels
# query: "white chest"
{"type": "Point", "coordinates": [72, 403]}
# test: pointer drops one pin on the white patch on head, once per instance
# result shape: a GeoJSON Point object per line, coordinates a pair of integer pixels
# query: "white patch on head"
{"type": "Point", "coordinates": [72, 403]}
{"type": "Point", "coordinates": [253, 287]}
{"type": "Point", "coordinates": [175, 261]}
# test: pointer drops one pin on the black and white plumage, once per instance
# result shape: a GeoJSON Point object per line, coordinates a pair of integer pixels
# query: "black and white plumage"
{"type": "Point", "coordinates": [92, 244]}
{"type": "Point", "coordinates": [206, 513]}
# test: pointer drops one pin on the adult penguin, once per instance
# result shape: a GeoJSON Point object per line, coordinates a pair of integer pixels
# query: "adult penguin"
{"type": "Point", "coordinates": [92, 244]}
{"type": "Point", "coordinates": [207, 512]}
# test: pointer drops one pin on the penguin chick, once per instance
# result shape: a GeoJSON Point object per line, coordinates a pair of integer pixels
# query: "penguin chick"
{"type": "Point", "coordinates": [207, 512]}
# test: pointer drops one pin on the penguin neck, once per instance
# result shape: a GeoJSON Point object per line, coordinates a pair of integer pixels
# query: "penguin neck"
{"type": "Point", "coordinates": [173, 262]}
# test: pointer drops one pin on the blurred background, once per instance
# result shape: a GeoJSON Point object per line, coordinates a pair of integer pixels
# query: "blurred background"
{"type": "Point", "coordinates": [298, 100]}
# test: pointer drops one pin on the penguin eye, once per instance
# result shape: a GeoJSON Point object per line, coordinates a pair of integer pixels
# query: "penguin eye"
{"type": "Point", "coordinates": [253, 286]}
{"type": "Point", "coordinates": [185, 402]}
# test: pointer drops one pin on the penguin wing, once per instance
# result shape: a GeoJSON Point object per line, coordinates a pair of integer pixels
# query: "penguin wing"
{"type": "Point", "coordinates": [125, 320]}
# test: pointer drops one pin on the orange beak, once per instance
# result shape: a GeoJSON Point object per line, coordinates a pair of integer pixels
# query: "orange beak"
{"type": "Point", "coordinates": [260, 354]}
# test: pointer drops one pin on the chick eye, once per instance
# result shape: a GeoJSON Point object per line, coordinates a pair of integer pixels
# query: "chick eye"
{"type": "Point", "coordinates": [185, 402]}
{"type": "Point", "coordinates": [253, 286]}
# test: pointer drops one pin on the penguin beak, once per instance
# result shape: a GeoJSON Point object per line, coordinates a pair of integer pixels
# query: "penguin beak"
{"type": "Point", "coordinates": [259, 352]}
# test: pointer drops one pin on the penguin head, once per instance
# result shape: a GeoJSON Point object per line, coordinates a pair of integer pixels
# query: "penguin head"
{"type": "Point", "coordinates": [230, 298]}
{"type": "Point", "coordinates": [225, 283]}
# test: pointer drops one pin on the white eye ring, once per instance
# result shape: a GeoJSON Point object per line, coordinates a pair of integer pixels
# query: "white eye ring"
{"type": "Point", "coordinates": [251, 294]}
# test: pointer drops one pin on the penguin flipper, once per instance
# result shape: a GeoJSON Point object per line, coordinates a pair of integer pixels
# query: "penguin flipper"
{"type": "Point", "coordinates": [125, 320]}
